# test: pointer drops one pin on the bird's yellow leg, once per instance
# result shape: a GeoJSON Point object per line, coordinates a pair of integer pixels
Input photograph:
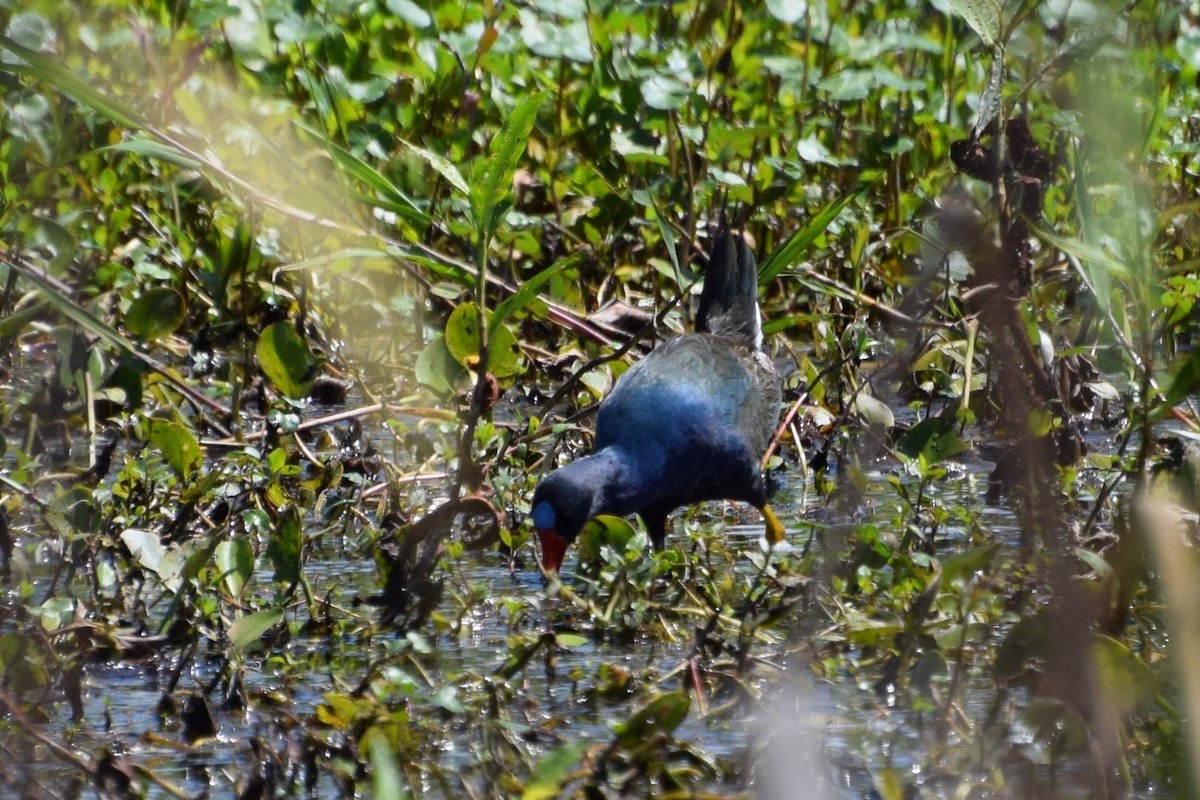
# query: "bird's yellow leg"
{"type": "Point", "coordinates": [774, 526]}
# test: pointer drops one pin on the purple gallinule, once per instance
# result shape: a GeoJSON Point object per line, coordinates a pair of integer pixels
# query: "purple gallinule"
{"type": "Point", "coordinates": [689, 422]}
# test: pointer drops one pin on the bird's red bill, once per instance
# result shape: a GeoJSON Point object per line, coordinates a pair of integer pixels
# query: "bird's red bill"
{"type": "Point", "coordinates": [554, 548]}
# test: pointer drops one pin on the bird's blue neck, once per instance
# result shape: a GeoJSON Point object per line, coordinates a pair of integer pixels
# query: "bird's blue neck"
{"type": "Point", "coordinates": [621, 482]}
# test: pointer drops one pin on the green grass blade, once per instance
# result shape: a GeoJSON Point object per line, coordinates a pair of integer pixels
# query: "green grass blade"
{"type": "Point", "coordinates": [506, 149]}
{"type": "Point", "coordinates": [396, 199]}
{"type": "Point", "coordinates": [799, 242]}
{"type": "Point", "coordinates": [65, 81]}
{"type": "Point", "coordinates": [528, 291]}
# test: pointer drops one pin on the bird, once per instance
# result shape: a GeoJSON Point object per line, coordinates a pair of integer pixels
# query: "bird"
{"type": "Point", "coordinates": [689, 422]}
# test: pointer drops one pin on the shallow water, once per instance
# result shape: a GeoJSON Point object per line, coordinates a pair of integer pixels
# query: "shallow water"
{"type": "Point", "coordinates": [808, 738]}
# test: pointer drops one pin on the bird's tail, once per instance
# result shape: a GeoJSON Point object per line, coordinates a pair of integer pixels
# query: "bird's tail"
{"type": "Point", "coordinates": [729, 300]}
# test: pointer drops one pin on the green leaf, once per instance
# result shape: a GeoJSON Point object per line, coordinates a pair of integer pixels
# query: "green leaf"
{"type": "Point", "coordinates": [661, 716]}
{"type": "Point", "coordinates": [983, 16]}
{"type": "Point", "coordinates": [286, 546]}
{"type": "Point", "coordinates": [668, 237]}
{"type": "Point", "coordinates": [462, 340]}
{"type": "Point", "coordinates": [933, 440]}
{"type": "Point", "coordinates": [410, 12]}
{"type": "Point", "coordinates": [286, 360]}
{"type": "Point", "coordinates": [386, 780]}
{"type": "Point", "coordinates": [235, 561]}
{"type": "Point", "coordinates": [528, 291]}
{"type": "Point", "coordinates": [552, 770]}
{"type": "Point", "coordinates": [394, 197]}
{"type": "Point", "coordinates": [1125, 679]}
{"type": "Point", "coordinates": [874, 411]}
{"type": "Point", "coordinates": [249, 629]}
{"type": "Point", "coordinates": [964, 564]}
{"type": "Point", "coordinates": [152, 555]}
{"type": "Point", "coordinates": [665, 92]}
{"type": "Point", "coordinates": [569, 640]}
{"type": "Point", "coordinates": [495, 184]}
{"type": "Point", "coordinates": [62, 79]}
{"type": "Point", "coordinates": [799, 242]}
{"type": "Point", "coordinates": [604, 530]}
{"type": "Point", "coordinates": [437, 368]}
{"type": "Point", "coordinates": [442, 166]}
{"type": "Point", "coordinates": [159, 151]}
{"type": "Point", "coordinates": [1185, 380]}
{"type": "Point", "coordinates": [157, 313]}
{"type": "Point", "coordinates": [178, 446]}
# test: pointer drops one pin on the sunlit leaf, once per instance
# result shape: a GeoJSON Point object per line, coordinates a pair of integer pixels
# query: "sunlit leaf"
{"type": "Point", "coordinates": [493, 183]}
{"type": "Point", "coordinates": [443, 166]}
{"type": "Point", "coordinates": [874, 412]}
{"type": "Point", "coordinates": [462, 340]}
{"type": "Point", "coordinates": [665, 92]}
{"type": "Point", "coordinates": [983, 16]}
{"type": "Point", "coordinates": [159, 151]}
{"type": "Point", "coordinates": [248, 630]}
{"type": "Point", "coordinates": [286, 546]}
{"type": "Point", "coordinates": [286, 360]}
{"type": "Point", "coordinates": [437, 368]}
{"type": "Point", "coordinates": [235, 561]}
{"type": "Point", "coordinates": [156, 313]}
{"type": "Point", "coordinates": [660, 716]}
{"type": "Point", "coordinates": [410, 12]}
{"type": "Point", "coordinates": [787, 11]}
{"type": "Point", "coordinates": [152, 555]}
{"type": "Point", "coordinates": [386, 780]}
{"type": "Point", "coordinates": [178, 446]}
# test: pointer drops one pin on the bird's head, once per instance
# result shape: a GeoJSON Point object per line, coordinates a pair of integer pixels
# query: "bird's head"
{"type": "Point", "coordinates": [561, 505]}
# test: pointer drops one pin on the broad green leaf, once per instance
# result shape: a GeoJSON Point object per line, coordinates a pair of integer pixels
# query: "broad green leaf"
{"type": "Point", "coordinates": [933, 440]}
{"type": "Point", "coordinates": [604, 530]}
{"type": "Point", "coordinates": [152, 555]}
{"type": "Point", "coordinates": [235, 562]}
{"type": "Point", "coordinates": [1124, 678]}
{"type": "Point", "coordinates": [969, 562]}
{"type": "Point", "coordinates": [437, 368]}
{"type": "Point", "coordinates": [788, 12]}
{"type": "Point", "coordinates": [410, 12]}
{"type": "Point", "coordinates": [462, 340]}
{"type": "Point", "coordinates": [665, 92]}
{"type": "Point", "coordinates": [570, 640]}
{"type": "Point", "coordinates": [286, 545]}
{"type": "Point", "coordinates": [156, 313]}
{"type": "Point", "coordinates": [1185, 380]}
{"type": "Point", "coordinates": [875, 412]}
{"type": "Point", "coordinates": [286, 360]}
{"type": "Point", "coordinates": [661, 716]}
{"type": "Point", "coordinates": [178, 446]}
{"type": "Point", "coordinates": [247, 630]}
{"type": "Point", "coordinates": [983, 16]}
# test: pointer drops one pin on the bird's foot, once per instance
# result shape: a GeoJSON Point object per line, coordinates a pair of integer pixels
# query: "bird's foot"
{"type": "Point", "coordinates": [774, 531]}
